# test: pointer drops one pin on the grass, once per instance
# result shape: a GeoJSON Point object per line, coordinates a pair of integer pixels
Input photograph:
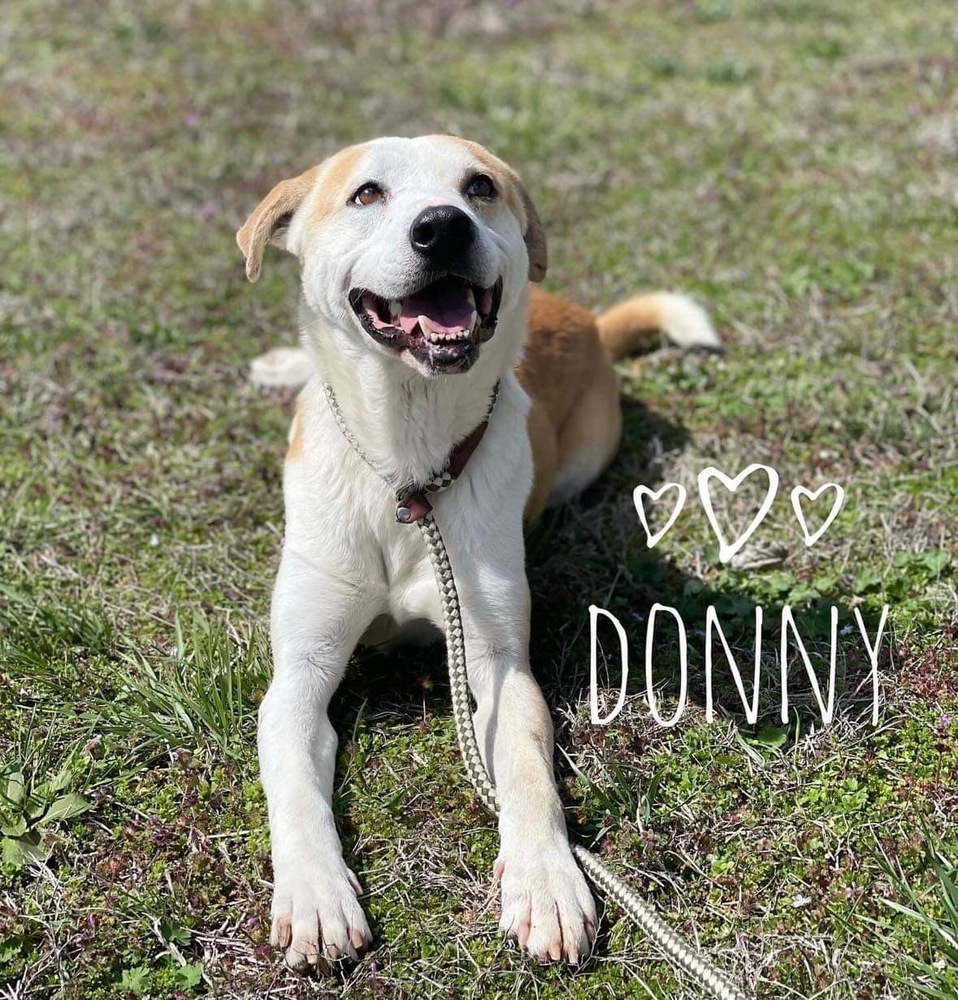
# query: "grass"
{"type": "Point", "coordinates": [935, 978]}
{"type": "Point", "coordinates": [790, 164]}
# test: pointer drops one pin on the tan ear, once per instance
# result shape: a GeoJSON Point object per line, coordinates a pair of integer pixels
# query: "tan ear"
{"type": "Point", "coordinates": [534, 236]}
{"type": "Point", "coordinates": [270, 219]}
{"type": "Point", "coordinates": [533, 233]}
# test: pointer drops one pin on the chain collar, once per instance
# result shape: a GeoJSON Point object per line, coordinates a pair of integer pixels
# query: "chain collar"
{"type": "Point", "coordinates": [412, 501]}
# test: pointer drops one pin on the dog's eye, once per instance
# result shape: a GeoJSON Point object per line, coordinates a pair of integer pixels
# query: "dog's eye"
{"type": "Point", "coordinates": [368, 194]}
{"type": "Point", "coordinates": [481, 186]}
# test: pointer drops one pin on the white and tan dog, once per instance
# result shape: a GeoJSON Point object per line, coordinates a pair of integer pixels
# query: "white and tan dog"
{"type": "Point", "coordinates": [416, 260]}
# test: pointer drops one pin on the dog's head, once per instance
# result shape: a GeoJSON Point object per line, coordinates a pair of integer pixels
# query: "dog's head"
{"type": "Point", "coordinates": [413, 245]}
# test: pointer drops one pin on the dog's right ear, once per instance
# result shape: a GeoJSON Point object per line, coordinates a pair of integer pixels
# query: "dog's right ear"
{"type": "Point", "coordinates": [270, 220]}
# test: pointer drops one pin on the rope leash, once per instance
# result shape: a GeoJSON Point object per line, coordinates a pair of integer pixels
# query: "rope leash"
{"type": "Point", "coordinates": [667, 940]}
{"type": "Point", "coordinates": [671, 944]}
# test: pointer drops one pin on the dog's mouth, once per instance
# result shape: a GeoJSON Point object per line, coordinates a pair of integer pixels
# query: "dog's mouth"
{"type": "Point", "coordinates": [441, 325]}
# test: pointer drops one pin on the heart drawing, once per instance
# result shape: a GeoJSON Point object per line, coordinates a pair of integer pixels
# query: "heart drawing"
{"type": "Point", "coordinates": [728, 549]}
{"type": "Point", "coordinates": [638, 497]}
{"type": "Point", "coordinates": [796, 498]}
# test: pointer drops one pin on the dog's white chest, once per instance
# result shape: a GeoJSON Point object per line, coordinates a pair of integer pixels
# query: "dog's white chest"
{"type": "Point", "coordinates": [341, 521]}
{"type": "Point", "coordinates": [411, 591]}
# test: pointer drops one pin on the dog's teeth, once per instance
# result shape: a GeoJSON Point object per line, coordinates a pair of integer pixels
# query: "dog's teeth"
{"type": "Point", "coordinates": [470, 296]}
{"type": "Point", "coordinates": [474, 319]}
{"type": "Point", "coordinates": [395, 309]}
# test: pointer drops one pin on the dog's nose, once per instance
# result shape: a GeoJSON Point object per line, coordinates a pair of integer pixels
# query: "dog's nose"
{"type": "Point", "coordinates": [442, 232]}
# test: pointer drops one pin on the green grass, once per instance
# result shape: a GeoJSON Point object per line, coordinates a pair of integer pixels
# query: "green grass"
{"type": "Point", "coordinates": [939, 918]}
{"type": "Point", "coordinates": [792, 164]}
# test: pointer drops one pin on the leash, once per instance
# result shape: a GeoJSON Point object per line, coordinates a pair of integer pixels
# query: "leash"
{"type": "Point", "coordinates": [413, 506]}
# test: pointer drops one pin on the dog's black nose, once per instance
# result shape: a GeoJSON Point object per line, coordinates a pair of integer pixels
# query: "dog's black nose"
{"type": "Point", "coordinates": [442, 232]}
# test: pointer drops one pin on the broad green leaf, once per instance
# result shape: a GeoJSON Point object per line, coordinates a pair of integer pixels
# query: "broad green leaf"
{"type": "Point", "coordinates": [772, 736]}
{"type": "Point", "coordinates": [15, 787]}
{"type": "Point", "coordinates": [135, 980]}
{"type": "Point", "coordinates": [867, 579]}
{"type": "Point", "coordinates": [36, 805]}
{"type": "Point", "coordinates": [935, 561]}
{"type": "Point", "coordinates": [15, 829]}
{"type": "Point", "coordinates": [190, 975]}
{"type": "Point", "coordinates": [12, 855]}
{"type": "Point", "coordinates": [65, 807]}
{"type": "Point", "coordinates": [62, 781]}
{"type": "Point", "coordinates": [26, 848]}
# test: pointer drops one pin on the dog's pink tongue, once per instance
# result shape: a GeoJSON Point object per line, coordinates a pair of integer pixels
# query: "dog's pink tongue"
{"type": "Point", "coordinates": [446, 309]}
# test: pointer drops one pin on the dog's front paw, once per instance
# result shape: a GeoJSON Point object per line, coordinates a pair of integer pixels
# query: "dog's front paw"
{"type": "Point", "coordinates": [317, 918]}
{"type": "Point", "coordinates": [546, 905]}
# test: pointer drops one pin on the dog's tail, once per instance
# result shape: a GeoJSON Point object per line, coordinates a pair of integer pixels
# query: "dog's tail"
{"type": "Point", "coordinates": [638, 323]}
{"type": "Point", "coordinates": [288, 367]}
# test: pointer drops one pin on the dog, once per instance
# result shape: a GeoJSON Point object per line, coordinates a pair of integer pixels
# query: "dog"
{"type": "Point", "coordinates": [418, 264]}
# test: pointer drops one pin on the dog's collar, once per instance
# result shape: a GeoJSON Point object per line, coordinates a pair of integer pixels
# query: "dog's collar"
{"type": "Point", "coordinates": [412, 500]}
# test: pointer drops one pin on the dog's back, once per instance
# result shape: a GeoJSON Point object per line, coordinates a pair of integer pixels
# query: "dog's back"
{"type": "Point", "coordinates": [576, 422]}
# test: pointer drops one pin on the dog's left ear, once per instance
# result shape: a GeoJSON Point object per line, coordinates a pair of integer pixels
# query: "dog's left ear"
{"type": "Point", "coordinates": [534, 236]}
{"type": "Point", "coordinates": [270, 220]}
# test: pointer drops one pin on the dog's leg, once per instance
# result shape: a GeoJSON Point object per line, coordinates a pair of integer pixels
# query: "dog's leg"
{"type": "Point", "coordinates": [317, 620]}
{"type": "Point", "coordinates": [546, 903]}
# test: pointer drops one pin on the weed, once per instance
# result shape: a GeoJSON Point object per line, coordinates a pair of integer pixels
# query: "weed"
{"type": "Point", "coordinates": [206, 688]}
{"type": "Point", "coordinates": [937, 975]}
